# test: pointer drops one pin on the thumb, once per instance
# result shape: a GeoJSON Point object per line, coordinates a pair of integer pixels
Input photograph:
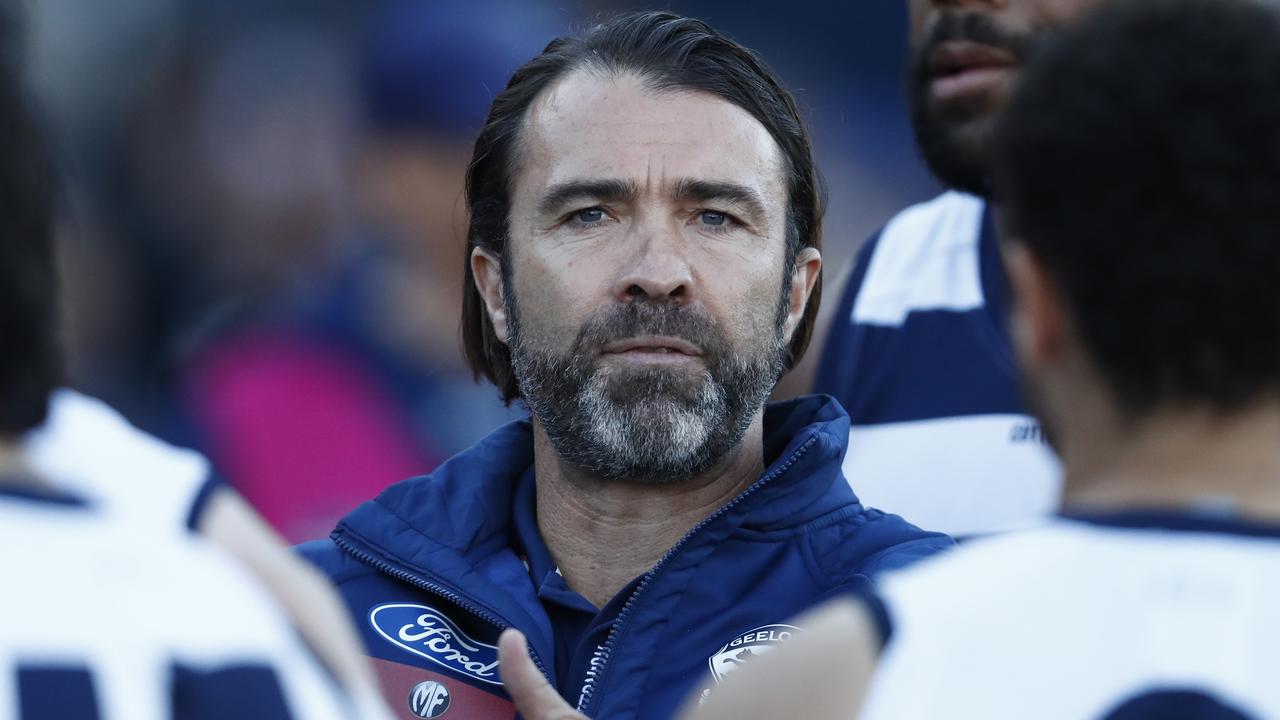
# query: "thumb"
{"type": "Point", "coordinates": [534, 697]}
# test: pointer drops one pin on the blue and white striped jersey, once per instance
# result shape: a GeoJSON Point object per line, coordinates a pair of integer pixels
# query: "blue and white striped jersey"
{"type": "Point", "coordinates": [1124, 617]}
{"type": "Point", "coordinates": [104, 618]}
{"type": "Point", "coordinates": [919, 356]}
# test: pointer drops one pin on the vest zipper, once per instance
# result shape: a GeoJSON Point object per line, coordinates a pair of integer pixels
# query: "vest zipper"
{"type": "Point", "coordinates": [593, 669]}
{"type": "Point", "coordinates": [596, 674]}
{"type": "Point", "coordinates": [435, 589]}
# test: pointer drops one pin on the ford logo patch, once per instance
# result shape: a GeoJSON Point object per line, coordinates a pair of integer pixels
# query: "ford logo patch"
{"type": "Point", "coordinates": [427, 632]}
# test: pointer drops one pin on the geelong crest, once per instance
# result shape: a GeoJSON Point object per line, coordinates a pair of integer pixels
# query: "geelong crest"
{"type": "Point", "coordinates": [427, 632]}
{"type": "Point", "coordinates": [752, 643]}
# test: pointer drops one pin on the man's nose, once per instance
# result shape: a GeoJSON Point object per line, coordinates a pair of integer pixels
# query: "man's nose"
{"type": "Point", "coordinates": [657, 270]}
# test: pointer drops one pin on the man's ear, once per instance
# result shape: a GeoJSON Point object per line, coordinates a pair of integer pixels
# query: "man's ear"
{"type": "Point", "coordinates": [1038, 321]}
{"type": "Point", "coordinates": [803, 278]}
{"type": "Point", "coordinates": [486, 269]}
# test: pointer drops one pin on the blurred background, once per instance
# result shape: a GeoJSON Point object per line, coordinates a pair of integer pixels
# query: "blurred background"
{"type": "Point", "coordinates": [263, 240]}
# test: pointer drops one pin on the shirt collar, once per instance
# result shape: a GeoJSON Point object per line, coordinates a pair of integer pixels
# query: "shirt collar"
{"type": "Point", "coordinates": [1177, 520]}
{"type": "Point", "coordinates": [526, 537]}
{"type": "Point", "coordinates": [528, 541]}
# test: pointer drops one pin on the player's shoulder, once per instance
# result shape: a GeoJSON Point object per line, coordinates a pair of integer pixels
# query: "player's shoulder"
{"type": "Point", "coordinates": [926, 257]}
{"type": "Point", "coordinates": [985, 557]}
{"type": "Point", "coordinates": [94, 429]}
{"type": "Point", "coordinates": [1064, 558]}
{"type": "Point", "coordinates": [1120, 603]}
{"type": "Point", "coordinates": [950, 218]}
{"type": "Point", "coordinates": [88, 447]}
{"type": "Point", "coordinates": [990, 574]}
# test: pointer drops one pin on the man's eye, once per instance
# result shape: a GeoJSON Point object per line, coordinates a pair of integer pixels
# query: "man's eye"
{"type": "Point", "coordinates": [713, 218]}
{"type": "Point", "coordinates": [590, 215]}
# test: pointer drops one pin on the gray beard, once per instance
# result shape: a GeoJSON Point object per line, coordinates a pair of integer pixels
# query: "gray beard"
{"type": "Point", "coordinates": [650, 425]}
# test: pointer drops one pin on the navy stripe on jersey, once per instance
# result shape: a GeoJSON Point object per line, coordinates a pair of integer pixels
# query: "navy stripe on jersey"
{"type": "Point", "coordinates": [938, 363]}
{"type": "Point", "coordinates": [935, 366]}
{"type": "Point", "coordinates": [1175, 705]}
{"type": "Point", "coordinates": [201, 501]}
{"type": "Point", "coordinates": [242, 691]}
{"type": "Point", "coordinates": [56, 693]}
{"type": "Point", "coordinates": [238, 691]}
{"type": "Point", "coordinates": [16, 489]}
{"type": "Point", "coordinates": [1202, 522]}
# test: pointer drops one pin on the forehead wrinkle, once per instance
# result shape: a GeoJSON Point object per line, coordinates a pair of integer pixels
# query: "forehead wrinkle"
{"type": "Point", "coordinates": [548, 105]}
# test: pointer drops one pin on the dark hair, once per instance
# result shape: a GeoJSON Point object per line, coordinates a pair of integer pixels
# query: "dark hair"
{"type": "Point", "coordinates": [668, 52]}
{"type": "Point", "coordinates": [29, 362]}
{"type": "Point", "coordinates": [1139, 160]}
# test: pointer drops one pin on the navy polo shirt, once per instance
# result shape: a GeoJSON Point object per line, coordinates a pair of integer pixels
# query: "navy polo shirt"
{"type": "Point", "coordinates": [580, 629]}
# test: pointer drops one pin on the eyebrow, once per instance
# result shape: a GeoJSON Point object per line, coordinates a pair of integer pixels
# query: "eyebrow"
{"type": "Point", "coordinates": [614, 190]}
{"type": "Point", "coordinates": [558, 196]}
{"type": "Point", "coordinates": [708, 190]}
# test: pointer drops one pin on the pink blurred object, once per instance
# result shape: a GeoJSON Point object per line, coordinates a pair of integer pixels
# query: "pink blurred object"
{"type": "Point", "coordinates": [303, 431]}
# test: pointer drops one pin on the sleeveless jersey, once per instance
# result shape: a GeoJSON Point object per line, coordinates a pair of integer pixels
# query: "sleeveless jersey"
{"type": "Point", "coordinates": [103, 618]}
{"type": "Point", "coordinates": [919, 356]}
{"type": "Point", "coordinates": [1117, 617]}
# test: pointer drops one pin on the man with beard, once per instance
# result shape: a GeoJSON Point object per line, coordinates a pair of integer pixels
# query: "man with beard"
{"type": "Point", "coordinates": [918, 352]}
{"type": "Point", "coordinates": [1138, 168]}
{"type": "Point", "coordinates": [644, 234]}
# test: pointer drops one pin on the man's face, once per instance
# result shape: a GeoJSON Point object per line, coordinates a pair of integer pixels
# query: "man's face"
{"type": "Point", "coordinates": [965, 56]}
{"type": "Point", "coordinates": [646, 301]}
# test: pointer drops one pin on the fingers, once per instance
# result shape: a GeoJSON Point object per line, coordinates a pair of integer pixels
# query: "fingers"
{"type": "Point", "coordinates": [533, 695]}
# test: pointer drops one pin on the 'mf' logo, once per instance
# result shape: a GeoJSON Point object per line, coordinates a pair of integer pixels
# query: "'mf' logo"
{"type": "Point", "coordinates": [428, 633]}
{"type": "Point", "coordinates": [429, 699]}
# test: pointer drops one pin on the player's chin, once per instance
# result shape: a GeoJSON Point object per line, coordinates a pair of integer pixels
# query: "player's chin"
{"type": "Point", "coordinates": [957, 153]}
{"type": "Point", "coordinates": [960, 127]}
{"type": "Point", "coordinates": [969, 141]}
{"type": "Point", "coordinates": [964, 116]}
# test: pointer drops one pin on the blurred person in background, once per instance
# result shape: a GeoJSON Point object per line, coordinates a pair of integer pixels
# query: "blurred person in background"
{"type": "Point", "coordinates": [918, 351]}
{"type": "Point", "coordinates": [644, 256]}
{"type": "Point", "coordinates": [102, 522]}
{"type": "Point", "coordinates": [1138, 170]}
{"type": "Point", "coordinates": [355, 379]}
{"type": "Point", "coordinates": [429, 73]}
{"type": "Point", "coordinates": [284, 196]}
{"type": "Point", "coordinates": [223, 198]}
